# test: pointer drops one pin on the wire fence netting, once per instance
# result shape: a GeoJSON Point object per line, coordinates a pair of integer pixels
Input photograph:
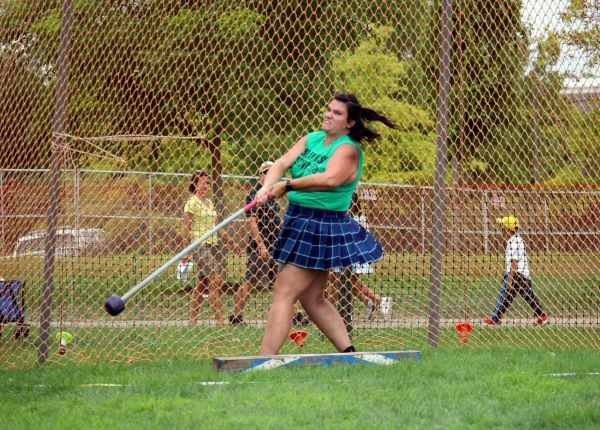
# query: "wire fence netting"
{"type": "Point", "coordinates": [108, 107]}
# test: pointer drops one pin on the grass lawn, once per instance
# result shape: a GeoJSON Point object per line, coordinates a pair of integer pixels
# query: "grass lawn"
{"type": "Point", "coordinates": [568, 289]}
{"type": "Point", "coordinates": [448, 389]}
{"type": "Point", "coordinates": [566, 283]}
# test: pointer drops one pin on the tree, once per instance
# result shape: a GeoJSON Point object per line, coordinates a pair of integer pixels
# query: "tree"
{"type": "Point", "coordinates": [374, 73]}
{"type": "Point", "coordinates": [489, 58]}
{"type": "Point", "coordinates": [586, 33]}
{"type": "Point", "coordinates": [252, 75]}
{"type": "Point", "coordinates": [26, 107]}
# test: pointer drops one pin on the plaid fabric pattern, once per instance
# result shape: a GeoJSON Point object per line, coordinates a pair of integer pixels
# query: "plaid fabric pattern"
{"type": "Point", "coordinates": [323, 240]}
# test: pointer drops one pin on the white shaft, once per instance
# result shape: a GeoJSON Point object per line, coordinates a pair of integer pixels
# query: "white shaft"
{"type": "Point", "coordinates": [185, 251]}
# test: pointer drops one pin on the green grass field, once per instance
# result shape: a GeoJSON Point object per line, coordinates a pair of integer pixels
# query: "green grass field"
{"type": "Point", "coordinates": [569, 289]}
{"type": "Point", "coordinates": [132, 344]}
{"type": "Point", "coordinates": [157, 376]}
{"type": "Point", "coordinates": [568, 285]}
{"type": "Point", "coordinates": [464, 389]}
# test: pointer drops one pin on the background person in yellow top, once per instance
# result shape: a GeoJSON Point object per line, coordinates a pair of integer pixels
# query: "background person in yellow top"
{"type": "Point", "coordinates": [200, 216]}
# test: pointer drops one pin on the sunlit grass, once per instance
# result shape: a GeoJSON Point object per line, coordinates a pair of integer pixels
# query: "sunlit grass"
{"type": "Point", "coordinates": [447, 389]}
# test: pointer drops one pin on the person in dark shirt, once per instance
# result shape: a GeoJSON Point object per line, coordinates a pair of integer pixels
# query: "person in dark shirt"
{"type": "Point", "coordinates": [261, 269]}
{"type": "Point", "coordinates": [264, 222]}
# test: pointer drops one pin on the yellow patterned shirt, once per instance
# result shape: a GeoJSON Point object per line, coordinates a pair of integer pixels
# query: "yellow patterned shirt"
{"type": "Point", "coordinates": [205, 218]}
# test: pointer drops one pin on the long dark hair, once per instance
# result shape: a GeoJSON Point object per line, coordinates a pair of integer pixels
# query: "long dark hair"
{"type": "Point", "coordinates": [195, 178]}
{"type": "Point", "coordinates": [359, 131]}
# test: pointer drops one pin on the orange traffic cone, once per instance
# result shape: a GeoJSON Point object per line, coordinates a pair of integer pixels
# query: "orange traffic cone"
{"type": "Point", "coordinates": [298, 337]}
{"type": "Point", "coordinates": [464, 329]}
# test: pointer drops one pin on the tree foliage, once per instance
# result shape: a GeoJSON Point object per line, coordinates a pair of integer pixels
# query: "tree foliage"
{"type": "Point", "coordinates": [585, 31]}
{"type": "Point", "coordinates": [489, 57]}
{"type": "Point", "coordinates": [254, 75]}
{"type": "Point", "coordinates": [373, 71]}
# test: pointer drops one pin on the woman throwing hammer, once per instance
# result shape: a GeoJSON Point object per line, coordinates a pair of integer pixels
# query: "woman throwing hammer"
{"type": "Point", "coordinates": [318, 235]}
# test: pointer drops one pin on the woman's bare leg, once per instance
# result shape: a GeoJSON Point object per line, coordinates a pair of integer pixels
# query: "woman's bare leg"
{"type": "Point", "coordinates": [215, 285]}
{"type": "Point", "coordinates": [196, 300]}
{"type": "Point", "coordinates": [291, 282]}
{"type": "Point", "coordinates": [332, 287]}
{"type": "Point", "coordinates": [324, 314]}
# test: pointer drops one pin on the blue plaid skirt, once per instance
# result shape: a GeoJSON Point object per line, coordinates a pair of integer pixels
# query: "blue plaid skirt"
{"type": "Point", "coordinates": [324, 240]}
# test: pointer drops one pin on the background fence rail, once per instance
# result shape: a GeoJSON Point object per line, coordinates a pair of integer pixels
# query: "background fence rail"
{"type": "Point", "coordinates": [472, 230]}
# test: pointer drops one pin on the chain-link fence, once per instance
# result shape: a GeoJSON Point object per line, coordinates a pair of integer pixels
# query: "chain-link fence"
{"type": "Point", "coordinates": [107, 107]}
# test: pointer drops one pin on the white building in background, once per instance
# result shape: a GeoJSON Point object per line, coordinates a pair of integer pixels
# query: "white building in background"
{"type": "Point", "coordinates": [585, 96]}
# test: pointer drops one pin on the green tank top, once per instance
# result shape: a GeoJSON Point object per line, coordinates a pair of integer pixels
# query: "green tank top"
{"type": "Point", "coordinates": [313, 160]}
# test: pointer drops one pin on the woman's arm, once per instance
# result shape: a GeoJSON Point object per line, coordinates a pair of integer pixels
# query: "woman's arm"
{"type": "Point", "coordinates": [341, 169]}
{"type": "Point", "coordinates": [276, 171]}
{"type": "Point", "coordinates": [284, 163]}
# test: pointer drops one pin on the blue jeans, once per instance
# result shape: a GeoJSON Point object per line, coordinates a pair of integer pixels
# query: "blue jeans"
{"type": "Point", "coordinates": [521, 285]}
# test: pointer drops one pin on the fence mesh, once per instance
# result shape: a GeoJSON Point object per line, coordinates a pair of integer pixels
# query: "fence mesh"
{"type": "Point", "coordinates": [107, 107]}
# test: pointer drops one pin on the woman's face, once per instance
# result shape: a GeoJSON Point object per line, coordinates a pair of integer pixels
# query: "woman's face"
{"type": "Point", "coordinates": [335, 120]}
{"type": "Point", "coordinates": [203, 185]}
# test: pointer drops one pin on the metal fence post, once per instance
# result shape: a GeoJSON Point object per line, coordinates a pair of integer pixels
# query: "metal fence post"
{"type": "Point", "coordinates": [439, 206]}
{"type": "Point", "coordinates": [486, 231]}
{"type": "Point", "coordinates": [546, 223]}
{"type": "Point", "coordinates": [2, 211]}
{"type": "Point", "coordinates": [60, 126]}
{"type": "Point", "coordinates": [76, 199]}
{"type": "Point", "coordinates": [150, 249]}
{"type": "Point", "coordinates": [423, 249]}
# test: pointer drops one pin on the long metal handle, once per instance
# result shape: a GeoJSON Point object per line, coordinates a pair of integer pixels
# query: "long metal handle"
{"type": "Point", "coordinates": [187, 250]}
